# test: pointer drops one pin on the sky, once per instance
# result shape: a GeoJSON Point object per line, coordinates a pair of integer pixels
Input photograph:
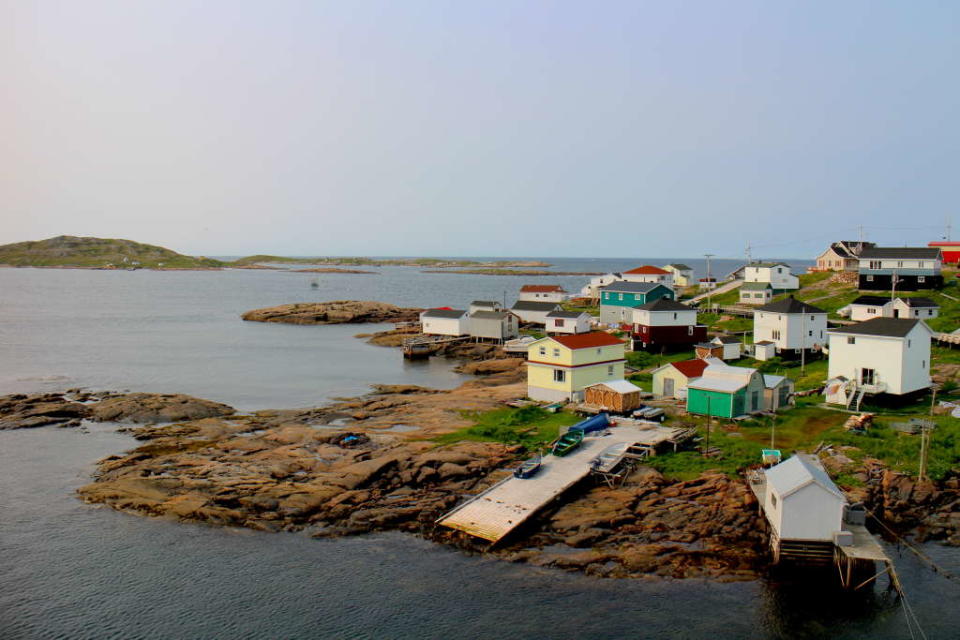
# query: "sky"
{"type": "Point", "coordinates": [580, 129]}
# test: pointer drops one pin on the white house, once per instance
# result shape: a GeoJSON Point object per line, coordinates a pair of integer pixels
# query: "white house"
{"type": "Point", "coordinates": [732, 347]}
{"type": "Point", "coordinates": [542, 293]}
{"type": "Point", "coordinates": [756, 293]}
{"type": "Point", "coordinates": [801, 502]}
{"type": "Point", "coordinates": [534, 312]}
{"type": "Point", "coordinates": [776, 274]}
{"type": "Point", "coordinates": [842, 255]}
{"type": "Point", "coordinates": [648, 273]}
{"type": "Point", "coordinates": [791, 325]}
{"type": "Point", "coordinates": [708, 284]}
{"type": "Point", "coordinates": [592, 290]}
{"type": "Point", "coordinates": [764, 350]}
{"type": "Point", "coordinates": [494, 325]}
{"type": "Point", "coordinates": [866, 307]}
{"type": "Point", "coordinates": [485, 305]}
{"type": "Point", "coordinates": [444, 322]}
{"type": "Point", "coordinates": [569, 322]}
{"type": "Point", "coordinates": [682, 274]}
{"type": "Point", "coordinates": [882, 355]}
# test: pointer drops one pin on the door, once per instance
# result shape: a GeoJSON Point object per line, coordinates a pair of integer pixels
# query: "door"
{"type": "Point", "coordinates": [896, 313]}
{"type": "Point", "coordinates": [668, 387]}
{"type": "Point", "coordinates": [867, 376]}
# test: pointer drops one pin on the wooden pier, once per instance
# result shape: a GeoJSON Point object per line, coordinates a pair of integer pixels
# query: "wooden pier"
{"type": "Point", "coordinates": [423, 346]}
{"type": "Point", "coordinates": [494, 513]}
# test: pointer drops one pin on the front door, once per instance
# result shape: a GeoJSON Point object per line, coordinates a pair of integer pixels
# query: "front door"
{"type": "Point", "coordinates": [668, 387]}
{"type": "Point", "coordinates": [896, 313]}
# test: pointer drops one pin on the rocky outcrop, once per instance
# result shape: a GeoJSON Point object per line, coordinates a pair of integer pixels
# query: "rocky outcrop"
{"type": "Point", "coordinates": [156, 407]}
{"type": "Point", "coordinates": [20, 411]}
{"type": "Point", "coordinates": [334, 312]}
{"type": "Point", "coordinates": [68, 409]}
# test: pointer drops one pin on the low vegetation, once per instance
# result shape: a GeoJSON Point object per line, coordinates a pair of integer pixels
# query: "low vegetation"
{"type": "Point", "coordinates": [98, 253]}
{"type": "Point", "coordinates": [532, 427]}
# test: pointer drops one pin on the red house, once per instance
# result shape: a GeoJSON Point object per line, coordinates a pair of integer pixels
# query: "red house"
{"type": "Point", "coordinates": [666, 324]}
{"type": "Point", "coordinates": [950, 250]}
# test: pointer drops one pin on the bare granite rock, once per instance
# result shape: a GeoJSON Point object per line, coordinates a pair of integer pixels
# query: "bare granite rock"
{"type": "Point", "coordinates": [334, 312]}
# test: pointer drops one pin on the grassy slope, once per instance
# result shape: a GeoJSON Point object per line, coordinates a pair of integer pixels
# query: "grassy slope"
{"type": "Point", "coordinates": [70, 251]}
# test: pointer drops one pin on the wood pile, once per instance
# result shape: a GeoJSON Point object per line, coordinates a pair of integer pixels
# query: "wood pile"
{"type": "Point", "coordinates": [861, 422]}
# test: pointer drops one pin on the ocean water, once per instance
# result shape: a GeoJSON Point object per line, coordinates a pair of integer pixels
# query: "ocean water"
{"type": "Point", "coordinates": [69, 570]}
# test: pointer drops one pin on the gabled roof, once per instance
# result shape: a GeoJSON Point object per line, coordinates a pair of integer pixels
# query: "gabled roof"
{"type": "Point", "coordinates": [719, 376]}
{"type": "Point", "coordinates": [679, 266]}
{"type": "Point", "coordinates": [877, 301]}
{"type": "Point", "coordinates": [443, 313]}
{"type": "Point", "coordinates": [919, 303]}
{"type": "Point", "coordinates": [632, 287]}
{"type": "Point", "coordinates": [764, 342]}
{"type": "Point", "coordinates": [542, 288]}
{"type": "Point", "coordinates": [691, 368]}
{"type": "Point", "coordinates": [797, 472]}
{"type": "Point", "coordinates": [663, 304]}
{"type": "Point", "coordinates": [727, 340]}
{"type": "Point", "coordinates": [912, 253]}
{"type": "Point", "coordinates": [850, 248]}
{"type": "Point", "coordinates": [490, 315]}
{"type": "Point", "coordinates": [767, 265]}
{"type": "Point", "coordinates": [771, 381]}
{"type": "Point", "coordinates": [485, 303]}
{"type": "Point", "coordinates": [588, 340]}
{"type": "Point", "coordinates": [620, 386]}
{"type": "Point", "coordinates": [530, 305]}
{"type": "Point", "coordinates": [573, 315]}
{"type": "Point", "coordinates": [648, 270]}
{"type": "Point", "coordinates": [885, 327]}
{"type": "Point", "coordinates": [755, 286]}
{"type": "Point", "coordinates": [790, 305]}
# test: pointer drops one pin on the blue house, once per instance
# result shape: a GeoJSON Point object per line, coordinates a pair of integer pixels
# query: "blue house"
{"type": "Point", "coordinates": [618, 299]}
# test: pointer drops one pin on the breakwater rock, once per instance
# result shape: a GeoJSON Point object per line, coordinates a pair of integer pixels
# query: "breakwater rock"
{"type": "Point", "coordinates": [23, 411]}
{"type": "Point", "coordinates": [333, 312]}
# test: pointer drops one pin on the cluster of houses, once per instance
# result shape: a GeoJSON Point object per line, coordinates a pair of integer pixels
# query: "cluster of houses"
{"type": "Point", "coordinates": [888, 268]}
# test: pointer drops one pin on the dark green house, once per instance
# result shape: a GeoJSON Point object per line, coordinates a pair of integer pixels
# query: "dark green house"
{"type": "Point", "coordinates": [618, 299]}
{"type": "Point", "coordinates": [726, 392]}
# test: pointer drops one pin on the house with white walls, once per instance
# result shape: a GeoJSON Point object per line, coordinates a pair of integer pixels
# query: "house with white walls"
{"type": "Point", "coordinates": [682, 274]}
{"type": "Point", "coordinates": [866, 307]}
{"type": "Point", "coordinates": [568, 322]}
{"type": "Point", "coordinates": [649, 273]}
{"type": "Point", "coordinates": [444, 322]}
{"type": "Point", "coordinates": [542, 293]}
{"type": "Point", "coordinates": [534, 312]}
{"type": "Point", "coordinates": [909, 268]}
{"type": "Point", "coordinates": [485, 305]}
{"type": "Point", "coordinates": [878, 356]}
{"type": "Point", "coordinates": [754, 293]}
{"type": "Point", "coordinates": [776, 274]}
{"type": "Point", "coordinates": [793, 326]}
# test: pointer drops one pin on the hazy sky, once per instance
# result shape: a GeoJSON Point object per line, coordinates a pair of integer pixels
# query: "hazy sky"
{"type": "Point", "coordinates": [480, 128]}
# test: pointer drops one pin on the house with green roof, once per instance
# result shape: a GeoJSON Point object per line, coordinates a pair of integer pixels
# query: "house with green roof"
{"type": "Point", "coordinates": [756, 293]}
{"type": "Point", "coordinates": [618, 299]}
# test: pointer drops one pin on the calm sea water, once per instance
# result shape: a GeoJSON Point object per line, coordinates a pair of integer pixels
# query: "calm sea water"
{"type": "Point", "coordinates": [68, 570]}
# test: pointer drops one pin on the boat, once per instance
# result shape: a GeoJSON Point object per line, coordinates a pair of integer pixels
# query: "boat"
{"type": "Point", "coordinates": [567, 442]}
{"type": "Point", "coordinates": [528, 468]}
{"type": "Point", "coordinates": [314, 285]}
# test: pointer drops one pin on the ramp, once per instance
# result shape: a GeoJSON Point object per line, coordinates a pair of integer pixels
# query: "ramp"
{"type": "Point", "coordinates": [493, 514]}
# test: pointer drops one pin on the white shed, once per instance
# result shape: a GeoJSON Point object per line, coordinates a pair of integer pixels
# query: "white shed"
{"type": "Point", "coordinates": [732, 347]}
{"type": "Point", "coordinates": [534, 312]}
{"type": "Point", "coordinates": [542, 293]}
{"type": "Point", "coordinates": [444, 322]}
{"type": "Point", "coordinates": [494, 325]}
{"type": "Point", "coordinates": [801, 502]}
{"type": "Point", "coordinates": [569, 322]}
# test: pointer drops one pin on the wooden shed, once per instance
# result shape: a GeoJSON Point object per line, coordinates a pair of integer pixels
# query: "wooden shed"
{"type": "Point", "coordinates": [618, 396]}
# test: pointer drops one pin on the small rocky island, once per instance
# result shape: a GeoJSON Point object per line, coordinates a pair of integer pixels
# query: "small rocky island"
{"type": "Point", "coordinates": [333, 312]}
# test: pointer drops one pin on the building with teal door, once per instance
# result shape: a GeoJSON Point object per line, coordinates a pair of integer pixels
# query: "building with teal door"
{"type": "Point", "coordinates": [618, 299]}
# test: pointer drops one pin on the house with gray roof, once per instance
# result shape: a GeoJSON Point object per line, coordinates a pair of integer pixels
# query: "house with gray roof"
{"type": "Point", "coordinates": [497, 326]}
{"type": "Point", "coordinates": [900, 269]}
{"type": "Point", "coordinates": [444, 322]}
{"type": "Point", "coordinates": [534, 312]}
{"type": "Point", "coordinates": [569, 322]}
{"type": "Point", "coordinates": [754, 293]}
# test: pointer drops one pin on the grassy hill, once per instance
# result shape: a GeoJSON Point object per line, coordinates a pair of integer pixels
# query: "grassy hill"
{"type": "Point", "coordinates": [73, 251]}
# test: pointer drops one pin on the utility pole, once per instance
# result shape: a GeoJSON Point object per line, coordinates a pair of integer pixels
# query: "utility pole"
{"type": "Point", "coordinates": [706, 449]}
{"type": "Point", "coordinates": [860, 229]}
{"type": "Point", "coordinates": [709, 283]}
{"type": "Point", "coordinates": [803, 342]}
{"type": "Point", "coordinates": [748, 253]}
{"type": "Point", "coordinates": [773, 426]}
{"type": "Point", "coordinates": [893, 286]}
{"type": "Point", "coordinates": [925, 431]}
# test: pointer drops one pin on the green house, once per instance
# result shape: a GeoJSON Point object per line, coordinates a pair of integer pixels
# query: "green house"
{"type": "Point", "coordinates": [726, 392]}
{"type": "Point", "coordinates": [618, 299]}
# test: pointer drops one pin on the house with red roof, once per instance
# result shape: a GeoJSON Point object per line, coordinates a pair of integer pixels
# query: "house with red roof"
{"type": "Point", "coordinates": [560, 367]}
{"type": "Point", "coordinates": [542, 293]}
{"type": "Point", "coordinates": [649, 273]}
{"type": "Point", "coordinates": [671, 380]}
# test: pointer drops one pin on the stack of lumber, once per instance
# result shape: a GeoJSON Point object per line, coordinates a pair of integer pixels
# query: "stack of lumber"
{"type": "Point", "coordinates": [859, 423]}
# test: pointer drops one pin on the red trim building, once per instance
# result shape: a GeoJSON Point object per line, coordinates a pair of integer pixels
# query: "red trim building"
{"type": "Point", "coordinates": [950, 250]}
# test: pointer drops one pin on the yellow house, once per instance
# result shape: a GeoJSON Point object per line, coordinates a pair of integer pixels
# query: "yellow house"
{"type": "Point", "coordinates": [561, 367]}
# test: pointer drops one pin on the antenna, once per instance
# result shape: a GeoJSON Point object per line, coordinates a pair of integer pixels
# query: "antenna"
{"type": "Point", "coordinates": [709, 281]}
{"type": "Point", "coordinates": [748, 253]}
{"type": "Point", "coordinates": [860, 229]}
{"type": "Point", "coordinates": [949, 229]}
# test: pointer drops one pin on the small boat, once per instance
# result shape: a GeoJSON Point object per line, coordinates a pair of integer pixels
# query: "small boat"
{"type": "Point", "coordinates": [528, 468]}
{"type": "Point", "coordinates": [314, 285]}
{"type": "Point", "coordinates": [567, 442]}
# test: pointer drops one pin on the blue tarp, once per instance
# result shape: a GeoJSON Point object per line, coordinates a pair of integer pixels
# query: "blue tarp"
{"type": "Point", "coordinates": [596, 423]}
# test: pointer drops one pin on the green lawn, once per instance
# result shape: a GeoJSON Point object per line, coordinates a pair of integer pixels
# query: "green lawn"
{"type": "Point", "coordinates": [530, 426]}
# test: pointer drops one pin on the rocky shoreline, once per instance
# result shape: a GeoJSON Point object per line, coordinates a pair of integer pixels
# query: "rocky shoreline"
{"type": "Point", "coordinates": [333, 312]}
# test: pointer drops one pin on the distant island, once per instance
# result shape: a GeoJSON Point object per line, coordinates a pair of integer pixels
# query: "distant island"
{"type": "Point", "coordinates": [73, 252]}
{"type": "Point", "coordinates": [98, 253]}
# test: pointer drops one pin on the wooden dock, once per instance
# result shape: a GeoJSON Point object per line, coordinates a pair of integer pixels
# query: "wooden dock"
{"type": "Point", "coordinates": [496, 512]}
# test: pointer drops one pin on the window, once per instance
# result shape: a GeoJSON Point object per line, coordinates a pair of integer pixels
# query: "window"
{"type": "Point", "coordinates": [690, 330]}
{"type": "Point", "coordinates": [851, 340]}
{"type": "Point", "coordinates": [921, 278]}
{"type": "Point", "coordinates": [899, 264]}
{"type": "Point", "coordinates": [868, 376]}
{"type": "Point", "coordinates": [812, 318]}
{"type": "Point", "coordinates": [543, 351]}
{"type": "Point", "coordinates": [559, 375]}
{"type": "Point", "coordinates": [909, 343]}
{"type": "Point", "coordinates": [556, 353]}
{"type": "Point", "coordinates": [930, 312]}
{"type": "Point", "coordinates": [610, 370]}
{"type": "Point", "coordinates": [875, 264]}
{"type": "Point", "coordinates": [871, 310]}
{"type": "Point", "coordinates": [773, 500]}
{"type": "Point", "coordinates": [558, 322]}
{"type": "Point", "coordinates": [775, 334]}
{"type": "Point", "coordinates": [923, 363]}
{"type": "Point", "coordinates": [674, 316]}
{"type": "Point", "coordinates": [599, 351]}
{"type": "Point", "coordinates": [621, 296]}
{"type": "Point", "coordinates": [810, 333]}
{"type": "Point", "coordinates": [869, 278]}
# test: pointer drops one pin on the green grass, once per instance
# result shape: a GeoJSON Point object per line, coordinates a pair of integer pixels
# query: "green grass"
{"type": "Point", "coordinates": [530, 426]}
{"type": "Point", "coordinates": [71, 251]}
{"type": "Point", "coordinates": [591, 309]}
{"type": "Point", "coordinates": [736, 453]}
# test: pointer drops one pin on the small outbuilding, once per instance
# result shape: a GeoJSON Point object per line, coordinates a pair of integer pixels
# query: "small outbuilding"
{"type": "Point", "coordinates": [534, 312]}
{"type": "Point", "coordinates": [777, 392]}
{"type": "Point", "coordinates": [444, 322]}
{"type": "Point", "coordinates": [618, 396]}
{"type": "Point", "coordinates": [569, 322]}
{"type": "Point", "coordinates": [494, 325]}
{"type": "Point", "coordinates": [671, 380]}
{"type": "Point", "coordinates": [764, 350]}
{"type": "Point", "coordinates": [801, 502]}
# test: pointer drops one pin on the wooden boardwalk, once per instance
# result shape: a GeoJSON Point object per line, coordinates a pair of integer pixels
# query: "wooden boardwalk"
{"type": "Point", "coordinates": [493, 514]}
